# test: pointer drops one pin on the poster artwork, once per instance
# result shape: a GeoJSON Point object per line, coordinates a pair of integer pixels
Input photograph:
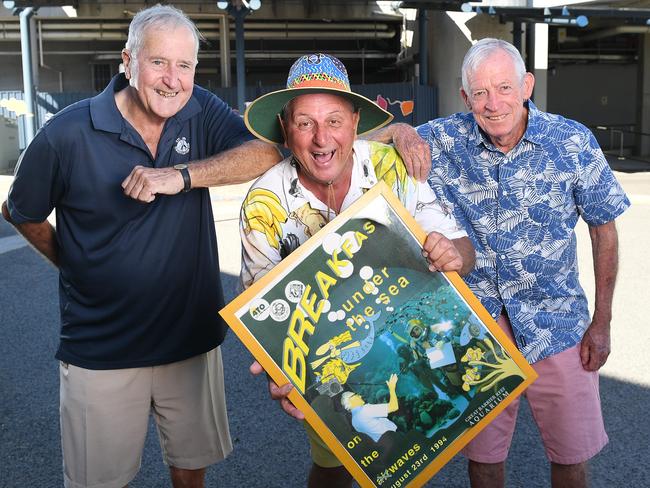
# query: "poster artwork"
{"type": "Point", "coordinates": [396, 367]}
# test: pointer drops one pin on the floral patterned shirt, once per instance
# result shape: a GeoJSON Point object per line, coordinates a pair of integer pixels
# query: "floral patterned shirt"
{"type": "Point", "coordinates": [520, 210]}
{"type": "Point", "coordinates": [279, 213]}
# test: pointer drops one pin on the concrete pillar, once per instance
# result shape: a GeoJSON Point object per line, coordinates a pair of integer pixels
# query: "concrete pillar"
{"type": "Point", "coordinates": [540, 67]}
{"type": "Point", "coordinates": [448, 44]}
{"type": "Point", "coordinates": [224, 50]}
{"type": "Point", "coordinates": [423, 46]}
{"type": "Point", "coordinates": [29, 90]}
{"type": "Point", "coordinates": [529, 56]}
{"type": "Point", "coordinates": [241, 69]}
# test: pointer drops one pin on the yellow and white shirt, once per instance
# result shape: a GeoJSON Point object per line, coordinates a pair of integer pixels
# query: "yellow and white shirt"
{"type": "Point", "coordinates": [279, 213]}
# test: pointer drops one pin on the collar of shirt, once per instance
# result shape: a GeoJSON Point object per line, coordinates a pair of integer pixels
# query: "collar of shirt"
{"type": "Point", "coordinates": [363, 178]}
{"type": "Point", "coordinates": [106, 116]}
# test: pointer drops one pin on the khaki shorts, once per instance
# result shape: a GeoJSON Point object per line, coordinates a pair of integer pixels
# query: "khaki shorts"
{"type": "Point", "coordinates": [565, 404]}
{"type": "Point", "coordinates": [105, 416]}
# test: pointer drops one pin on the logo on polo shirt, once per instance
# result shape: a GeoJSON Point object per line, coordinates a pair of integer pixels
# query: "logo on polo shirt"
{"type": "Point", "coordinates": [182, 146]}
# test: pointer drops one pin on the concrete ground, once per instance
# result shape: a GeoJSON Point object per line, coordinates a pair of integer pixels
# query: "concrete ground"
{"type": "Point", "coordinates": [269, 447]}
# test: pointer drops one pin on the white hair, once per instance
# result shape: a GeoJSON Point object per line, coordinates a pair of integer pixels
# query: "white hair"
{"type": "Point", "coordinates": [157, 16]}
{"type": "Point", "coordinates": [345, 399]}
{"type": "Point", "coordinates": [482, 50]}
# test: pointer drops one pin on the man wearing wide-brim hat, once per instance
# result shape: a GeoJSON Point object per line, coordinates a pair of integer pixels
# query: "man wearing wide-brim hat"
{"type": "Point", "coordinates": [318, 119]}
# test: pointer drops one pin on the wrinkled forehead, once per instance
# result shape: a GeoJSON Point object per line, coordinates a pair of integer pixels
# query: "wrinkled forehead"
{"type": "Point", "coordinates": [305, 101]}
{"type": "Point", "coordinates": [176, 32]}
{"type": "Point", "coordinates": [496, 68]}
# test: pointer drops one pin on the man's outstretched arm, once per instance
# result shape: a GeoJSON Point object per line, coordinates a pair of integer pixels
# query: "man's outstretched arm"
{"type": "Point", "coordinates": [237, 165]}
{"type": "Point", "coordinates": [393, 403]}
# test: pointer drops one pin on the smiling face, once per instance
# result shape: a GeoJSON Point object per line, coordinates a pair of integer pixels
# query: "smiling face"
{"type": "Point", "coordinates": [163, 73]}
{"type": "Point", "coordinates": [320, 130]}
{"type": "Point", "coordinates": [496, 98]}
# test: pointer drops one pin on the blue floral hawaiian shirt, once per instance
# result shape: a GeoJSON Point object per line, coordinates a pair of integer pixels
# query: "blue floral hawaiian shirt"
{"type": "Point", "coordinates": [520, 210]}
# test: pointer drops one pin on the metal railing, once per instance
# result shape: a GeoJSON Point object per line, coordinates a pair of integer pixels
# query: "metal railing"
{"type": "Point", "coordinates": [625, 142]}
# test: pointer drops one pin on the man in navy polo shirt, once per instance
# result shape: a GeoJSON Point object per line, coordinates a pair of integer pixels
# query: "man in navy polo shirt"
{"type": "Point", "coordinates": [139, 283]}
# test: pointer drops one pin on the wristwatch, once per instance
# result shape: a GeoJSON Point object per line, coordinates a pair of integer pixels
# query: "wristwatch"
{"type": "Point", "coordinates": [185, 173]}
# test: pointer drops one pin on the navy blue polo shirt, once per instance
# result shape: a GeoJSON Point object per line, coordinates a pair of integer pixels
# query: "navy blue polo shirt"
{"type": "Point", "coordinates": [139, 283]}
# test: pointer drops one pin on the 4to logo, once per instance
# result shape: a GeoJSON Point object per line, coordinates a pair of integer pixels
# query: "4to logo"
{"type": "Point", "coordinates": [259, 309]}
{"type": "Point", "coordinates": [279, 310]}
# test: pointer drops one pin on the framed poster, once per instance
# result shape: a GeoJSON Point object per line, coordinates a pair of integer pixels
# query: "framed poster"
{"type": "Point", "coordinates": [395, 367]}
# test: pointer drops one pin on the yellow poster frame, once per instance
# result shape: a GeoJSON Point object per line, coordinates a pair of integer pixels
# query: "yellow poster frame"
{"type": "Point", "coordinates": [280, 271]}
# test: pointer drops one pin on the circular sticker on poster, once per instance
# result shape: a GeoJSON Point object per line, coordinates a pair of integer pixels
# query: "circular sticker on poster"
{"type": "Point", "coordinates": [279, 310]}
{"type": "Point", "coordinates": [259, 309]}
{"type": "Point", "coordinates": [294, 290]}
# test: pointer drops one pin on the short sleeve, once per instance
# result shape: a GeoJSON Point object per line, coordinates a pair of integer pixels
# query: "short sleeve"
{"type": "Point", "coordinates": [38, 184]}
{"type": "Point", "coordinates": [379, 410]}
{"type": "Point", "coordinates": [225, 129]}
{"type": "Point", "coordinates": [259, 229]}
{"type": "Point", "coordinates": [598, 195]}
{"type": "Point", "coordinates": [431, 215]}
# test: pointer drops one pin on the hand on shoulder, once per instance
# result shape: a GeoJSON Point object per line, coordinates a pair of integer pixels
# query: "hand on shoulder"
{"type": "Point", "coordinates": [414, 151]}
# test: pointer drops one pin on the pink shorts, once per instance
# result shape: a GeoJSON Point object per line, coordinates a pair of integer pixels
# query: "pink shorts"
{"type": "Point", "coordinates": [565, 404]}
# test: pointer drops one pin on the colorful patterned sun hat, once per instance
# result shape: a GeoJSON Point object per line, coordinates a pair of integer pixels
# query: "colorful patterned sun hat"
{"type": "Point", "coordinates": [313, 73]}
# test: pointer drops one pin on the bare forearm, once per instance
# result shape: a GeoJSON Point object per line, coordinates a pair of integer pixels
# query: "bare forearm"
{"type": "Point", "coordinates": [237, 165]}
{"type": "Point", "coordinates": [40, 235]}
{"type": "Point", "coordinates": [412, 148]}
{"type": "Point", "coordinates": [596, 344]}
{"type": "Point", "coordinates": [386, 134]}
{"type": "Point", "coordinates": [466, 250]}
{"type": "Point", "coordinates": [392, 401]}
{"type": "Point", "coordinates": [604, 242]}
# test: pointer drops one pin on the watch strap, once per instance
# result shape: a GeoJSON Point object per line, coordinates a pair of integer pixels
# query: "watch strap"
{"type": "Point", "coordinates": [187, 181]}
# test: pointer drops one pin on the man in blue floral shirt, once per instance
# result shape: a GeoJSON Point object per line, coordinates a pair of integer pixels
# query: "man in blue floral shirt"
{"type": "Point", "coordinates": [517, 179]}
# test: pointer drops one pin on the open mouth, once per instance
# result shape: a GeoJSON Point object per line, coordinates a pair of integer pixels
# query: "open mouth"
{"type": "Point", "coordinates": [166, 94]}
{"type": "Point", "coordinates": [323, 157]}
